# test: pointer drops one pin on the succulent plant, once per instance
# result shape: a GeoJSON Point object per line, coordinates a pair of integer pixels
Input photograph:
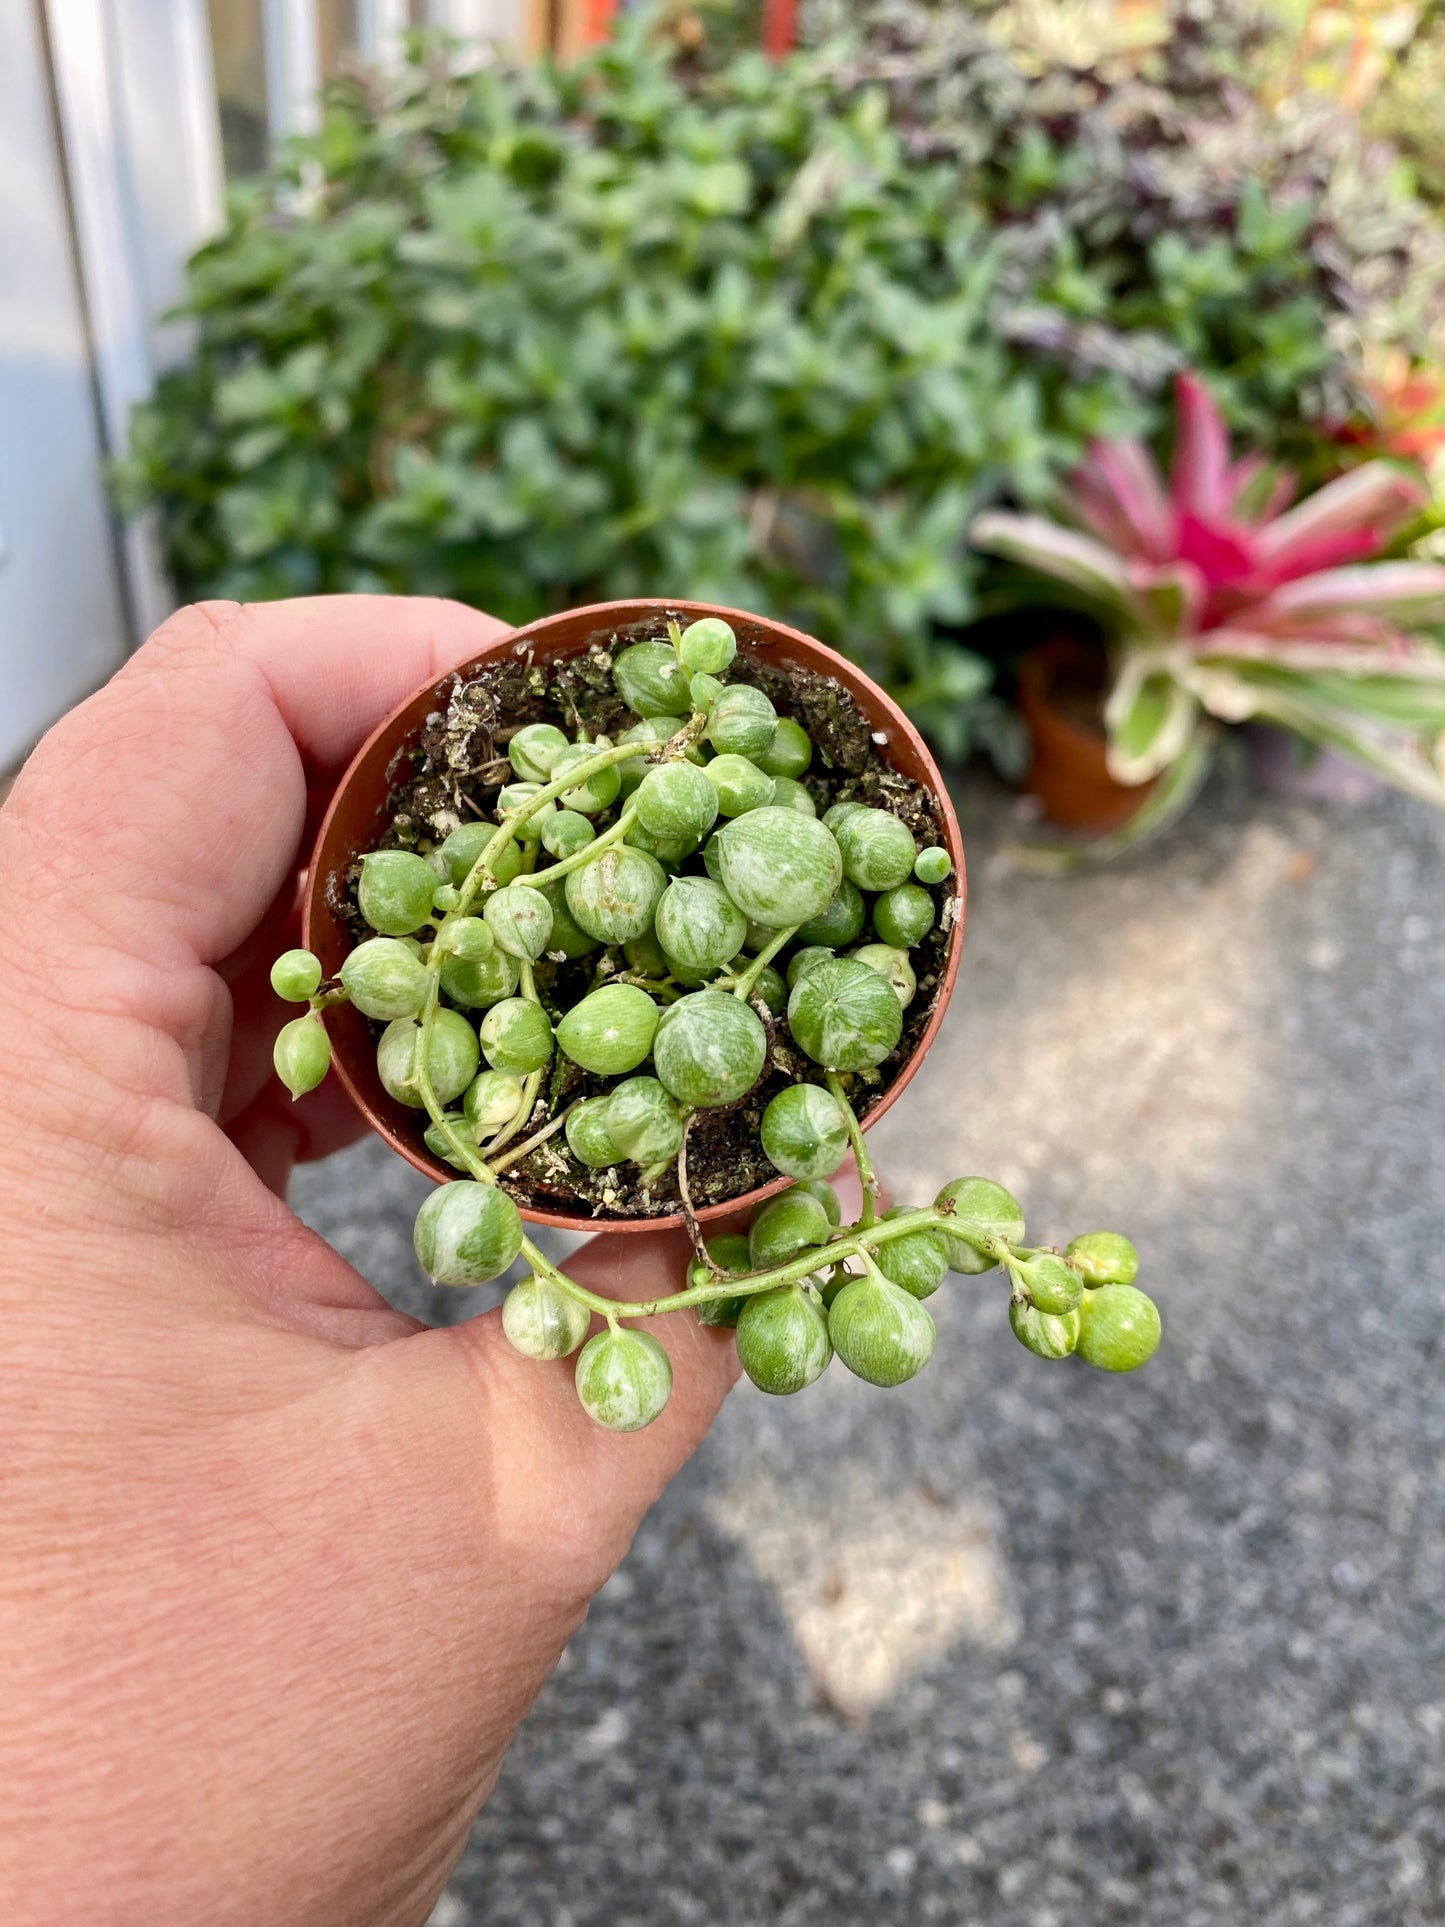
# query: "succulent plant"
{"type": "Point", "coordinates": [1223, 598]}
{"type": "Point", "coordinates": [676, 1010]}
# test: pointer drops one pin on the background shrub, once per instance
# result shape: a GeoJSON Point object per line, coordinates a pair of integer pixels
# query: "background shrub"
{"type": "Point", "coordinates": [763, 333]}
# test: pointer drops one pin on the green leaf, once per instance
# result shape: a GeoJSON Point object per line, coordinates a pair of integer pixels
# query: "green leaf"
{"type": "Point", "coordinates": [1150, 717]}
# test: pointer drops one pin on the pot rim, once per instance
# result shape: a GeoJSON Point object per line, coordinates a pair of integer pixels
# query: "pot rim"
{"type": "Point", "coordinates": [620, 615]}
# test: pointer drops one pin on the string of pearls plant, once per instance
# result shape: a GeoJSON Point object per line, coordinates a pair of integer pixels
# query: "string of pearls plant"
{"type": "Point", "coordinates": [702, 963]}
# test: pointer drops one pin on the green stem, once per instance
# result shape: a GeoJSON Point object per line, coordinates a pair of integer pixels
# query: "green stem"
{"type": "Point", "coordinates": [519, 1117]}
{"type": "Point", "coordinates": [843, 1244]}
{"type": "Point", "coordinates": [743, 988]}
{"type": "Point", "coordinates": [581, 773]}
{"type": "Point", "coordinates": [549, 1129]}
{"type": "Point", "coordinates": [654, 986]}
{"type": "Point", "coordinates": [866, 1174]}
{"type": "Point", "coordinates": [589, 851]}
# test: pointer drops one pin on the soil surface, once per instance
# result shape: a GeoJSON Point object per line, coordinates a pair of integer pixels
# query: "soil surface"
{"type": "Point", "coordinates": [452, 776]}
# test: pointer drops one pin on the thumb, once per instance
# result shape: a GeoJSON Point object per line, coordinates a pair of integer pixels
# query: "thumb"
{"type": "Point", "coordinates": [562, 1490]}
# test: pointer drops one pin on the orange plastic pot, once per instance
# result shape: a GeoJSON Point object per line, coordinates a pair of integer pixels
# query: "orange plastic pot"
{"type": "Point", "coordinates": [358, 818]}
{"type": "Point", "coordinates": [1061, 698]}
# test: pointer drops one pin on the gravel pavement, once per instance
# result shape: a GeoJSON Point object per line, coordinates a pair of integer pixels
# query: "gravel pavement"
{"type": "Point", "coordinates": [1020, 1645]}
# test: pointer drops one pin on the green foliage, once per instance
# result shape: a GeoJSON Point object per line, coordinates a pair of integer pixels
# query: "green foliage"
{"type": "Point", "coordinates": [763, 333]}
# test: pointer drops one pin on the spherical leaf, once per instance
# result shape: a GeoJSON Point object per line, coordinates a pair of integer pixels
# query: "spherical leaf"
{"type": "Point", "coordinates": [844, 1015]}
{"type": "Point", "coordinates": [1045, 1336]}
{"type": "Point", "coordinates": [802, 961]}
{"type": "Point", "coordinates": [516, 1037]}
{"type": "Point", "coordinates": [597, 791]}
{"type": "Point", "coordinates": [892, 966]}
{"type": "Point", "coordinates": [1119, 1328]}
{"type": "Point", "coordinates": [439, 1140]}
{"type": "Point", "coordinates": [790, 751]}
{"type": "Point", "coordinates": [296, 976]}
{"type": "Point", "coordinates": [542, 1320]}
{"type": "Point", "coordinates": [652, 730]}
{"type": "Point", "coordinates": [738, 785]}
{"type": "Point", "coordinates": [785, 1226]}
{"type": "Point", "coordinates": [881, 1333]}
{"type": "Point", "coordinates": [492, 1099]}
{"type": "Point", "coordinates": [651, 680]}
{"type": "Point", "coordinates": [446, 897]}
{"type": "Point", "coordinates": [519, 801]}
{"type": "Point", "coordinates": [467, 1233]}
{"type": "Point", "coordinates": [779, 867]}
{"type": "Point", "coordinates": [394, 892]}
{"type": "Point", "coordinates": [783, 1343]}
{"type": "Point", "coordinates": [464, 846]}
{"type": "Point", "coordinates": [534, 750]}
{"type": "Point", "coordinates": [838, 813]}
{"type": "Point", "coordinates": [671, 852]}
{"type": "Point", "coordinates": [478, 984]}
{"type": "Point", "coordinates": [917, 1262]}
{"type": "Point", "coordinates": [979, 1209]}
{"type": "Point", "coordinates": [1103, 1258]}
{"type": "Point", "coordinates": [709, 1048]}
{"type": "Point", "coordinates": [1054, 1286]}
{"type": "Point", "coordinates": [453, 1054]}
{"type": "Point", "coordinates": [903, 916]}
{"type": "Point", "coordinates": [302, 1054]}
{"type": "Point", "coordinates": [788, 795]}
{"type": "Point", "coordinates": [615, 897]}
{"type": "Point", "coordinates": [729, 1252]}
{"type": "Point", "coordinates": [468, 938]}
{"type": "Point", "coordinates": [840, 921]}
{"type": "Point", "coordinates": [520, 920]}
{"type": "Point", "coordinates": [676, 801]}
{"type": "Point", "coordinates": [804, 1133]}
{"type": "Point", "coordinates": [698, 924]}
{"type": "Point", "coordinates": [770, 987]}
{"type": "Point", "coordinates": [623, 1379]}
{"type": "Point", "coordinates": [933, 865]}
{"type": "Point", "coordinates": [588, 1138]}
{"type": "Point", "coordinates": [707, 645]}
{"type": "Point", "coordinates": [820, 1189]}
{"type": "Point", "coordinates": [384, 979]}
{"type": "Point", "coordinates": [567, 832]}
{"type": "Point", "coordinates": [644, 1122]}
{"type": "Point", "coordinates": [742, 721]}
{"type": "Point", "coordinates": [878, 849]}
{"type": "Point", "coordinates": [611, 1030]}
{"type": "Point", "coordinates": [704, 691]}
{"type": "Point", "coordinates": [644, 955]}
{"type": "Point", "coordinates": [567, 939]}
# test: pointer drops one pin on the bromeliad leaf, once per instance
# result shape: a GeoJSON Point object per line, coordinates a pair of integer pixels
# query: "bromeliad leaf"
{"type": "Point", "coordinates": [1151, 716]}
{"type": "Point", "coordinates": [1076, 560]}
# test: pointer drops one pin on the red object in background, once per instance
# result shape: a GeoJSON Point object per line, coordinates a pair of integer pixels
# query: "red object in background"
{"type": "Point", "coordinates": [598, 19]}
{"type": "Point", "coordinates": [780, 27]}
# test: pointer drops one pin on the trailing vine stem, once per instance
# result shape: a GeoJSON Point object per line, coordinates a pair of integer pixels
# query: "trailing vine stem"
{"type": "Point", "coordinates": [867, 1177]}
{"type": "Point", "coordinates": [852, 1242]}
{"type": "Point", "coordinates": [743, 988]}
{"type": "Point", "coordinates": [589, 851]}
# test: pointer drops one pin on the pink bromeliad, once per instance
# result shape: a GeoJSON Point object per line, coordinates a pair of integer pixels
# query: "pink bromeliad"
{"type": "Point", "coordinates": [1224, 597]}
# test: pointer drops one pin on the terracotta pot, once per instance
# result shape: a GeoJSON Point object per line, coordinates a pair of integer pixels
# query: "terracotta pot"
{"type": "Point", "coordinates": [1061, 697]}
{"type": "Point", "coordinates": [358, 816]}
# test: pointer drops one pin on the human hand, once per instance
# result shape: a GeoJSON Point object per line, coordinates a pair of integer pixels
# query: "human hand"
{"type": "Point", "coordinates": [280, 1571]}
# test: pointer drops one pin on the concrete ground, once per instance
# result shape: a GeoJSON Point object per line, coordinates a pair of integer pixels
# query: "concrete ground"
{"type": "Point", "coordinates": [1019, 1644]}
